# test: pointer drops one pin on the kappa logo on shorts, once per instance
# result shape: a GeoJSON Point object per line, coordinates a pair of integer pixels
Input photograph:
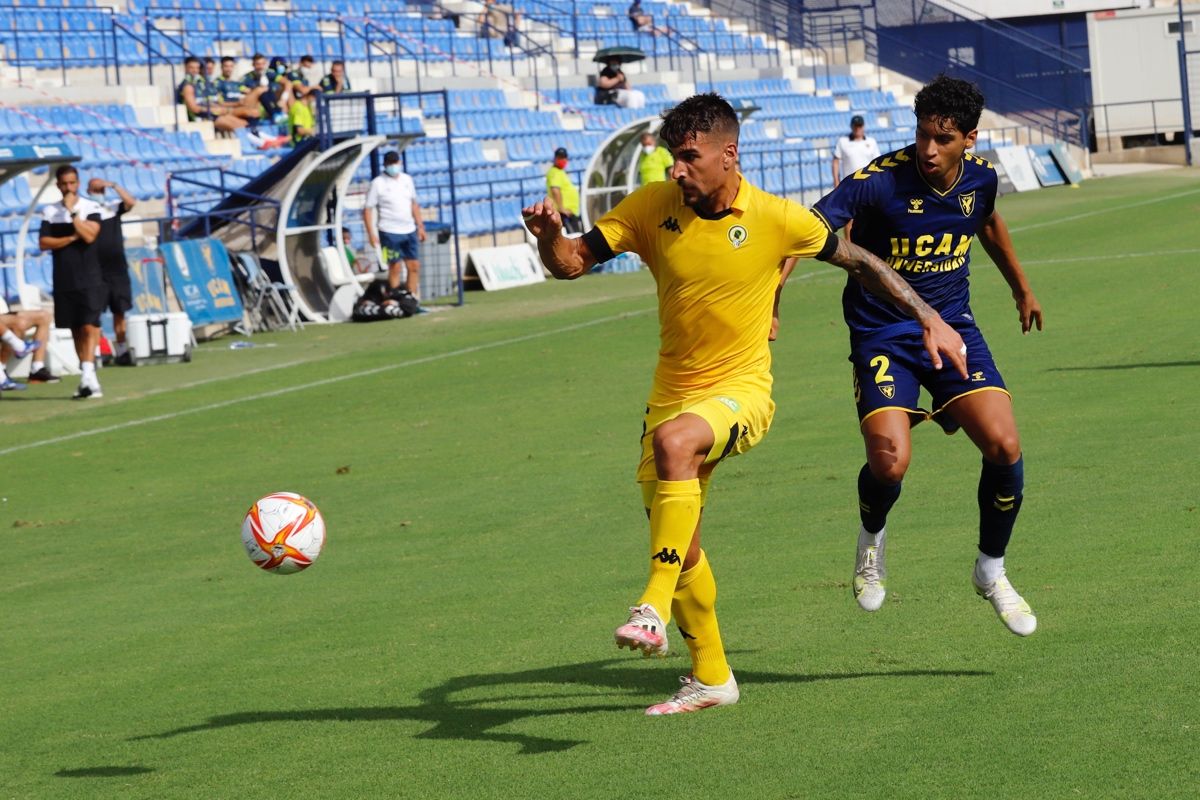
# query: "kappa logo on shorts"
{"type": "Point", "coordinates": [671, 224]}
{"type": "Point", "coordinates": [730, 403]}
{"type": "Point", "coordinates": [738, 235]}
{"type": "Point", "coordinates": [665, 557]}
{"type": "Point", "coordinates": [888, 390]}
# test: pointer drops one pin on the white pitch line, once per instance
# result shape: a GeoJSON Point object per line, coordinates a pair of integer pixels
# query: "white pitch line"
{"type": "Point", "coordinates": [1099, 211]}
{"type": "Point", "coordinates": [324, 382]}
{"type": "Point", "coordinates": [1114, 256]}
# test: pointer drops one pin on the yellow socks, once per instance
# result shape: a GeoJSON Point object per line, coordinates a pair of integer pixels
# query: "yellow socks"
{"type": "Point", "coordinates": [674, 513]}
{"type": "Point", "coordinates": [694, 608]}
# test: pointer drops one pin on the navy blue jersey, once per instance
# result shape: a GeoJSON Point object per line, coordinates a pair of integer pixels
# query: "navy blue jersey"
{"type": "Point", "coordinates": [923, 233]}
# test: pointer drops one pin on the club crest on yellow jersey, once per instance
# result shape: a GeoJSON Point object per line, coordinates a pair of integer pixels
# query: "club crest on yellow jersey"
{"type": "Point", "coordinates": [738, 235]}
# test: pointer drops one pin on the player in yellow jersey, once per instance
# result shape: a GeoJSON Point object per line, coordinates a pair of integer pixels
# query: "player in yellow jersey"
{"type": "Point", "coordinates": [715, 245]}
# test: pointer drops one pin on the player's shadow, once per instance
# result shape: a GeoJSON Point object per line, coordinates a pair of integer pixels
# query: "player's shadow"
{"type": "Point", "coordinates": [476, 718]}
{"type": "Point", "coordinates": [102, 772]}
{"type": "Point", "coordinates": [1146, 365]}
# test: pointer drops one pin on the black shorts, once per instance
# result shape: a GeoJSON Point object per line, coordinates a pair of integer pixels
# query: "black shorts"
{"type": "Point", "coordinates": [74, 309]}
{"type": "Point", "coordinates": [118, 292]}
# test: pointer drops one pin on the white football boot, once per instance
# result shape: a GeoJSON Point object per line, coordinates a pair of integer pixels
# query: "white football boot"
{"type": "Point", "coordinates": [1012, 609]}
{"type": "Point", "coordinates": [694, 696]}
{"type": "Point", "coordinates": [644, 631]}
{"type": "Point", "coordinates": [870, 571]}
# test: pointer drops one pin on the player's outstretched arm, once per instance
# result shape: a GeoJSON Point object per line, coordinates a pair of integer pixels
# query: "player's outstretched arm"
{"type": "Point", "coordinates": [879, 279]}
{"type": "Point", "coordinates": [566, 259]}
{"type": "Point", "coordinates": [993, 235]}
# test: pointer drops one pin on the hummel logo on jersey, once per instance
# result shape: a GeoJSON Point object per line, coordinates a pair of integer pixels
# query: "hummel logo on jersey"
{"type": "Point", "coordinates": [977, 377]}
{"type": "Point", "coordinates": [914, 205]}
{"type": "Point", "coordinates": [671, 224]}
{"type": "Point", "coordinates": [665, 557]}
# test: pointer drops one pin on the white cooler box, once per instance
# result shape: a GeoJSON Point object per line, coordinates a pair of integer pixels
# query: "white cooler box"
{"type": "Point", "coordinates": [159, 337]}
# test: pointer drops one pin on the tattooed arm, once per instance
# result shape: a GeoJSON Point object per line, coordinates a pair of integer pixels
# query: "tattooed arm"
{"type": "Point", "coordinates": [883, 282]}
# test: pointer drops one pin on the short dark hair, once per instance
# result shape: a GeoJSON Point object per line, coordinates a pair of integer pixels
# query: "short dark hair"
{"type": "Point", "coordinates": [209, 60]}
{"type": "Point", "coordinates": [338, 63]}
{"type": "Point", "coordinates": [700, 113]}
{"type": "Point", "coordinates": [952, 100]}
{"type": "Point", "coordinates": [257, 56]}
{"type": "Point", "coordinates": [391, 157]}
{"type": "Point", "coordinates": [228, 60]}
{"type": "Point", "coordinates": [307, 59]}
{"type": "Point", "coordinates": [347, 230]}
{"type": "Point", "coordinates": [64, 169]}
{"type": "Point", "coordinates": [191, 60]}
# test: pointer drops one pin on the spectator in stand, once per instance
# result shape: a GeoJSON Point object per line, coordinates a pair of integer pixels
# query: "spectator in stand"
{"type": "Point", "coordinates": [259, 87]}
{"type": "Point", "coordinates": [613, 88]}
{"type": "Point", "coordinates": [194, 94]}
{"type": "Point", "coordinates": [641, 21]}
{"type": "Point", "coordinates": [283, 83]}
{"type": "Point", "coordinates": [69, 231]}
{"type": "Point", "coordinates": [401, 229]}
{"type": "Point", "coordinates": [336, 81]}
{"type": "Point", "coordinates": [655, 160]}
{"type": "Point", "coordinates": [110, 250]}
{"type": "Point", "coordinates": [12, 343]}
{"type": "Point", "coordinates": [302, 123]}
{"type": "Point", "coordinates": [498, 21]}
{"type": "Point", "coordinates": [304, 76]}
{"type": "Point", "coordinates": [230, 95]}
{"type": "Point", "coordinates": [563, 192]}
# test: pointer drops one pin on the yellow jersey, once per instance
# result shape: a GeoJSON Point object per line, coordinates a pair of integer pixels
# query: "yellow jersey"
{"type": "Point", "coordinates": [716, 279]}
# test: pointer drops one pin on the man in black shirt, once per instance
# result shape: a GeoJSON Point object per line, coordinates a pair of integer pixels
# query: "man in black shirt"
{"type": "Point", "coordinates": [110, 249]}
{"type": "Point", "coordinates": [69, 230]}
{"type": "Point", "coordinates": [612, 87]}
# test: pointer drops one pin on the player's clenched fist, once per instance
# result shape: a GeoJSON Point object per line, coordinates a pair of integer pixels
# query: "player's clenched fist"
{"type": "Point", "coordinates": [542, 219]}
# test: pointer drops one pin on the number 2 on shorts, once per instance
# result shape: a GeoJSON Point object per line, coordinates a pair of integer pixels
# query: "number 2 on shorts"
{"type": "Point", "coordinates": [881, 364]}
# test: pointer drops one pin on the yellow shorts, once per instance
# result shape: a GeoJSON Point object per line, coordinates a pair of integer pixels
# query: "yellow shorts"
{"type": "Point", "coordinates": [739, 418]}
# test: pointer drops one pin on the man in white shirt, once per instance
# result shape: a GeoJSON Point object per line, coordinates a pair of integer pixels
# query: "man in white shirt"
{"type": "Point", "coordinates": [853, 152]}
{"type": "Point", "coordinates": [69, 229]}
{"type": "Point", "coordinates": [401, 228]}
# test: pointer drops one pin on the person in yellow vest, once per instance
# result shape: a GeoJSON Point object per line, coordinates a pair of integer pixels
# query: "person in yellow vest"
{"type": "Point", "coordinates": [563, 193]}
{"type": "Point", "coordinates": [654, 160]}
{"type": "Point", "coordinates": [302, 123]}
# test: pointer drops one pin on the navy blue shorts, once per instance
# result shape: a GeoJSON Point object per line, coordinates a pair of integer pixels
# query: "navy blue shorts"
{"type": "Point", "coordinates": [890, 370]}
{"type": "Point", "coordinates": [398, 246]}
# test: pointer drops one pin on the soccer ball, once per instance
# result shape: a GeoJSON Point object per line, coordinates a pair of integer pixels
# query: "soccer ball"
{"type": "Point", "coordinates": [283, 533]}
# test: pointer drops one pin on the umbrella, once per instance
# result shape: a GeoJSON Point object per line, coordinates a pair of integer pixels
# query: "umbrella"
{"type": "Point", "coordinates": [626, 55]}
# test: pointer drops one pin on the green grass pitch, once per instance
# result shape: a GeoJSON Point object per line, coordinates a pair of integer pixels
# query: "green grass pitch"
{"type": "Point", "coordinates": [486, 536]}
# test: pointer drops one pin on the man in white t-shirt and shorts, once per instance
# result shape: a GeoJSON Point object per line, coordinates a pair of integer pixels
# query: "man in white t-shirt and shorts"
{"type": "Point", "coordinates": [852, 153]}
{"type": "Point", "coordinates": [394, 197]}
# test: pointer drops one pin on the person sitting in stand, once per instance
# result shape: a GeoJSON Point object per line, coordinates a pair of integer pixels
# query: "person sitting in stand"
{"type": "Point", "coordinates": [613, 88]}
{"type": "Point", "coordinates": [336, 81]}
{"type": "Point", "coordinates": [192, 93]}
{"type": "Point", "coordinates": [259, 86]}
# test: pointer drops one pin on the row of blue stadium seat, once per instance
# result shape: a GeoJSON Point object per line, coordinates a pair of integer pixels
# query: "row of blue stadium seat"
{"type": "Point", "coordinates": [540, 149]}
{"type": "Point", "coordinates": [15, 196]}
{"type": "Point", "coordinates": [492, 124]}
{"type": "Point", "coordinates": [51, 20]}
{"type": "Point", "coordinates": [76, 119]}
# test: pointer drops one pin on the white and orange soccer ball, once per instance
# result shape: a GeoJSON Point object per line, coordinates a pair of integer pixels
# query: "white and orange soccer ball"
{"type": "Point", "coordinates": [283, 533]}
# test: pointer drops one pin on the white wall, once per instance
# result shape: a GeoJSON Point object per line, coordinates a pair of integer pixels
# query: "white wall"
{"type": "Point", "coordinates": [999, 9]}
{"type": "Point", "coordinates": [1135, 59]}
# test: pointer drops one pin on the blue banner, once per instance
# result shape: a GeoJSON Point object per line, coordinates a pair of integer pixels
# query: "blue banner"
{"type": "Point", "coordinates": [200, 274]}
{"type": "Point", "coordinates": [1044, 166]}
{"type": "Point", "coordinates": [147, 280]}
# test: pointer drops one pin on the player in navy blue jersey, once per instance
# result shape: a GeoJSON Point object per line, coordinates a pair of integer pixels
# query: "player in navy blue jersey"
{"type": "Point", "coordinates": [919, 209]}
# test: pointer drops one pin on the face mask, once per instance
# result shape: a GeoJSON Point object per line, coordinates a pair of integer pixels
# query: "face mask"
{"type": "Point", "coordinates": [97, 196]}
{"type": "Point", "coordinates": [648, 149]}
{"type": "Point", "coordinates": [561, 163]}
{"type": "Point", "coordinates": [392, 169]}
{"type": "Point", "coordinates": [309, 73]}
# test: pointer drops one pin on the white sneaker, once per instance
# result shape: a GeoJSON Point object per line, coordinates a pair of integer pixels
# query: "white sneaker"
{"type": "Point", "coordinates": [644, 631]}
{"type": "Point", "coordinates": [1012, 609]}
{"type": "Point", "coordinates": [694, 695]}
{"type": "Point", "coordinates": [870, 572]}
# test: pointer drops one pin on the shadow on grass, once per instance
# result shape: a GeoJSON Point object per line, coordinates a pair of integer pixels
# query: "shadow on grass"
{"type": "Point", "coordinates": [102, 772]}
{"type": "Point", "coordinates": [1148, 365]}
{"type": "Point", "coordinates": [476, 719]}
